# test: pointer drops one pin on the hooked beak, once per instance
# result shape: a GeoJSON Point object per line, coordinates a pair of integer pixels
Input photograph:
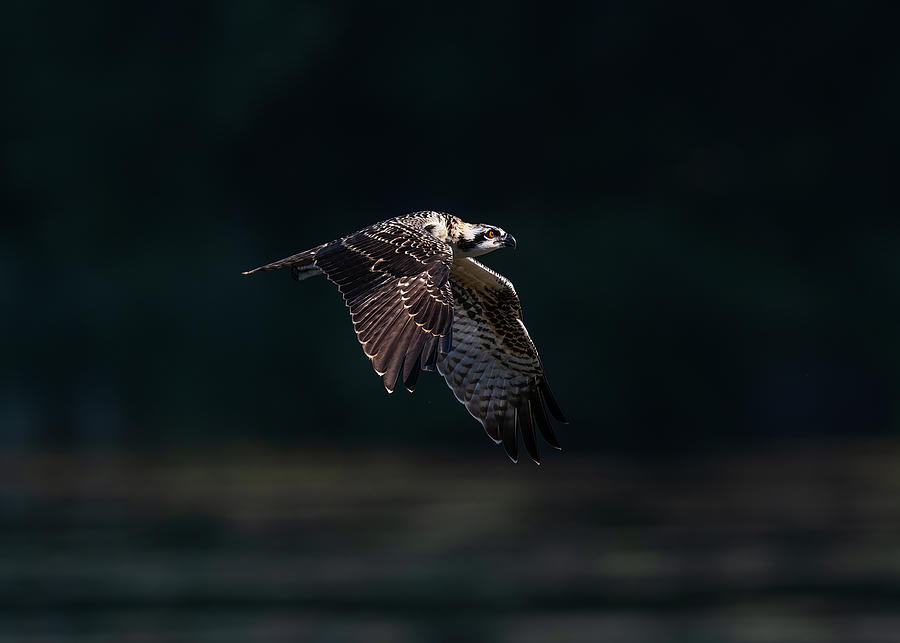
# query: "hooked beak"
{"type": "Point", "coordinates": [509, 240]}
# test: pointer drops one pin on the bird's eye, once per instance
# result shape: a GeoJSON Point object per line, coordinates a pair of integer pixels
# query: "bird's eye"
{"type": "Point", "coordinates": [490, 234]}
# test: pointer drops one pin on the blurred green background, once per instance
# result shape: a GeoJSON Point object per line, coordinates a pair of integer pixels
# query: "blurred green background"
{"type": "Point", "coordinates": [704, 201]}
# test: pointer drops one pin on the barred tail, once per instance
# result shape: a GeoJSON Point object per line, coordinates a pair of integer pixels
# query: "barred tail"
{"type": "Point", "coordinates": [302, 265]}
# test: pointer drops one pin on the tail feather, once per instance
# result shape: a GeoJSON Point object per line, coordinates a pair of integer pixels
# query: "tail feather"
{"type": "Point", "coordinates": [302, 264]}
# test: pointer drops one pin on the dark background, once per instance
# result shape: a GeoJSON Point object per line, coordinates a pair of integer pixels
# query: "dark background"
{"type": "Point", "coordinates": [707, 261]}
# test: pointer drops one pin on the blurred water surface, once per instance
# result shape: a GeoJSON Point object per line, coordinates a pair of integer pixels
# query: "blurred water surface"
{"type": "Point", "coordinates": [796, 543]}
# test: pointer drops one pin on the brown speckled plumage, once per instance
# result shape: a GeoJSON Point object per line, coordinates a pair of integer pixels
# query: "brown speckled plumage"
{"type": "Point", "coordinates": [417, 301]}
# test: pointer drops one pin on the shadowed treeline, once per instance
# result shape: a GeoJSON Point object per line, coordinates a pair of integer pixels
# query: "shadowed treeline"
{"type": "Point", "coordinates": [705, 242]}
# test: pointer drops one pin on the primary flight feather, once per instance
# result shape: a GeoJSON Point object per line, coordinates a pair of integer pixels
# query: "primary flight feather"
{"type": "Point", "coordinates": [419, 301]}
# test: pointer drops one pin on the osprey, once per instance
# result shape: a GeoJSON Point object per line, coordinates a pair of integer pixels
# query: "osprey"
{"type": "Point", "coordinates": [420, 300]}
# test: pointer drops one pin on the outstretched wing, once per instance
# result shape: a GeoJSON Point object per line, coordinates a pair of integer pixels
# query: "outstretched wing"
{"type": "Point", "coordinates": [394, 278]}
{"type": "Point", "coordinates": [493, 366]}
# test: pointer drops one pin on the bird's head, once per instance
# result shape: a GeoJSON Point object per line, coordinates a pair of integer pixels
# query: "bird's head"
{"type": "Point", "coordinates": [476, 239]}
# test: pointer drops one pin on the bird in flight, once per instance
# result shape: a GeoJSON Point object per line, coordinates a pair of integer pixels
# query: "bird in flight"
{"type": "Point", "coordinates": [419, 301]}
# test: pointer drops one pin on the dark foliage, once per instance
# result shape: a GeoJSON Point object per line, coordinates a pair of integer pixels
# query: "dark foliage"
{"type": "Point", "coordinates": [702, 198]}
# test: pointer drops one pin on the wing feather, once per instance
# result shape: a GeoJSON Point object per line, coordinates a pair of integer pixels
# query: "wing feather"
{"type": "Point", "coordinates": [493, 366]}
{"type": "Point", "coordinates": [543, 423]}
{"type": "Point", "coordinates": [411, 360]}
{"type": "Point", "coordinates": [526, 427]}
{"type": "Point", "coordinates": [367, 325]}
{"type": "Point", "coordinates": [430, 354]}
{"type": "Point", "coordinates": [510, 434]}
{"type": "Point", "coordinates": [395, 355]}
{"type": "Point", "coordinates": [394, 276]}
{"type": "Point", "coordinates": [410, 381]}
{"type": "Point", "coordinates": [382, 336]}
